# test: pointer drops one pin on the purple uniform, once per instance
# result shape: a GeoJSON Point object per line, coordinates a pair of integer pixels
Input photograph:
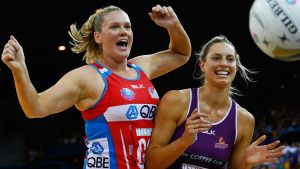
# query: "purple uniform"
{"type": "Point", "coordinates": [212, 148]}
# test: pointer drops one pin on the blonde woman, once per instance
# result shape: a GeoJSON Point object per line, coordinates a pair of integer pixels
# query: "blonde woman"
{"type": "Point", "coordinates": [115, 95]}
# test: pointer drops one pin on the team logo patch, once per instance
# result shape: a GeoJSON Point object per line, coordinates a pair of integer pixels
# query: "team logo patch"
{"type": "Point", "coordinates": [221, 144]}
{"type": "Point", "coordinates": [127, 94]}
{"type": "Point", "coordinates": [153, 93]}
{"type": "Point", "coordinates": [103, 70]}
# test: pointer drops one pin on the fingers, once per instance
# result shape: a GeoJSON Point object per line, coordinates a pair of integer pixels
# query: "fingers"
{"type": "Point", "coordinates": [271, 160]}
{"type": "Point", "coordinates": [196, 114]}
{"type": "Point", "coordinates": [277, 152]}
{"type": "Point", "coordinates": [12, 45]}
{"type": "Point", "coordinates": [273, 145]}
{"type": "Point", "coordinates": [260, 140]}
{"type": "Point", "coordinates": [198, 122]}
{"type": "Point", "coordinates": [15, 43]}
{"type": "Point", "coordinates": [10, 49]}
{"type": "Point", "coordinates": [162, 10]}
{"type": "Point", "coordinates": [274, 153]}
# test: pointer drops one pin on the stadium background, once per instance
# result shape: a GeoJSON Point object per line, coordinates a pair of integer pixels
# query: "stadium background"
{"type": "Point", "coordinates": [57, 141]}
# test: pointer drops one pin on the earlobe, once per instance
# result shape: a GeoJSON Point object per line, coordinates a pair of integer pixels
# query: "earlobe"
{"type": "Point", "coordinates": [201, 65]}
{"type": "Point", "coordinates": [97, 37]}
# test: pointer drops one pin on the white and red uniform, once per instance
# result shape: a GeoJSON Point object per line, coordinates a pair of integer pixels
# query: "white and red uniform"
{"type": "Point", "coordinates": [119, 125]}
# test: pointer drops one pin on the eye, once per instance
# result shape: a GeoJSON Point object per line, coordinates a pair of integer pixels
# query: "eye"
{"type": "Point", "coordinates": [114, 27]}
{"type": "Point", "coordinates": [215, 58]}
{"type": "Point", "coordinates": [128, 27]}
{"type": "Point", "coordinates": [231, 59]}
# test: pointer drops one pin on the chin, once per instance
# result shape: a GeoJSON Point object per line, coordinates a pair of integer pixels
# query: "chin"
{"type": "Point", "coordinates": [224, 83]}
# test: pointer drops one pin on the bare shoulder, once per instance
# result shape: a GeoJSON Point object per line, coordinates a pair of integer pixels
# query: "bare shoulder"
{"type": "Point", "coordinates": [90, 83]}
{"type": "Point", "coordinates": [84, 73]}
{"type": "Point", "coordinates": [83, 70]}
{"type": "Point", "coordinates": [246, 123]}
{"type": "Point", "coordinates": [141, 61]}
{"type": "Point", "coordinates": [176, 96]}
{"type": "Point", "coordinates": [244, 114]}
{"type": "Point", "coordinates": [173, 106]}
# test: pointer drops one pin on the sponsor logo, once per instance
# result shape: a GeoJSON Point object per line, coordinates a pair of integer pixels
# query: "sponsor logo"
{"type": "Point", "coordinates": [291, 2]}
{"type": "Point", "coordinates": [143, 131]}
{"type": "Point", "coordinates": [139, 86]}
{"type": "Point", "coordinates": [221, 144]}
{"type": "Point", "coordinates": [202, 160]}
{"type": "Point", "coordinates": [127, 94]}
{"type": "Point", "coordinates": [98, 154]}
{"type": "Point", "coordinates": [153, 93]}
{"type": "Point", "coordinates": [103, 70]}
{"type": "Point", "coordinates": [210, 132]}
{"type": "Point", "coordinates": [97, 148]}
{"type": "Point", "coordinates": [189, 166]}
{"type": "Point", "coordinates": [132, 112]}
{"type": "Point", "coordinates": [145, 111]}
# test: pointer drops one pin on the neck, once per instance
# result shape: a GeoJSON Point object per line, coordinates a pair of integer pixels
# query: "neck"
{"type": "Point", "coordinates": [213, 96]}
{"type": "Point", "coordinates": [115, 66]}
{"type": "Point", "coordinates": [215, 93]}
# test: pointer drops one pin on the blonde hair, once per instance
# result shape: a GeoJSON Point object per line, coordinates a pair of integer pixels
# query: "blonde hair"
{"type": "Point", "coordinates": [83, 38]}
{"type": "Point", "coordinates": [243, 71]}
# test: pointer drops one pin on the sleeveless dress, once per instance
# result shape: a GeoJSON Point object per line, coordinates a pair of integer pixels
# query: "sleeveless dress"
{"type": "Point", "coordinates": [212, 148]}
{"type": "Point", "coordinates": [119, 125]}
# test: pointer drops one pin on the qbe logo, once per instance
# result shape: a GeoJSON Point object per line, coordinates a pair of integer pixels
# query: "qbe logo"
{"type": "Point", "coordinates": [98, 154]}
{"type": "Point", "coordinates": [98, 162]}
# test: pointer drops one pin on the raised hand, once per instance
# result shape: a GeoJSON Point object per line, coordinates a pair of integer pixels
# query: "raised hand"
{"type": "Point", "coordinates": [163, 16]}
{"type": "Point", "coordinates": [12, 54]}
{"type": "Point", "coordinates": [257, 154]}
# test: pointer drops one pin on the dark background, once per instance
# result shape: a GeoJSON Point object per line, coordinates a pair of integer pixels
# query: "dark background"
{"type": "Point", "coordinates": [41, 26]}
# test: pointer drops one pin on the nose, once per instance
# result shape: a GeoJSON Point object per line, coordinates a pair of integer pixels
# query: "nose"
{"type": "Point", "coordinates": [123, 31]}
{"type": "Point", "coordinates": [223, 62]}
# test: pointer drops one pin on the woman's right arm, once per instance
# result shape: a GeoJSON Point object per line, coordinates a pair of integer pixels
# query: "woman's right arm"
{"type": "Point", "coordinates": [160, 154]}
{"type": "Point", "coordinates": [64, 94]}
{"type": "Point", "coordinates": [170, 114]}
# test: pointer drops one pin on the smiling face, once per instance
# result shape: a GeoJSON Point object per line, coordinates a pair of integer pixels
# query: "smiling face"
{"type": "Point", "coordinates": [219, 67]}
{"type": "Point", "coordinates": [116, 36]}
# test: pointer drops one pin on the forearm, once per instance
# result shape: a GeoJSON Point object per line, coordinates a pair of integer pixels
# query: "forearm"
{"type": "Point", "coordinates": [163, 157]}
{"type": "Point", "coordinates": [27, 94]}
{"type": "Point", "coordinates": [179, 40]}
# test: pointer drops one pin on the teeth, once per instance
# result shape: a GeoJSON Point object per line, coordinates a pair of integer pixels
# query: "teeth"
{"type": "Point", "coordinates": [124, 41]}
{"type": "Point", "coordinates": [223, 72]}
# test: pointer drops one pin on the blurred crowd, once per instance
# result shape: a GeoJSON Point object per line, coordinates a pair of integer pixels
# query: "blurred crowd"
{"type": "Point", "coordinates": [283, 123]}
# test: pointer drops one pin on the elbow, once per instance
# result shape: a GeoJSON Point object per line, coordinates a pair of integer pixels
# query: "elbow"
{"type": "Point", "coordinates": [30, 116]}
{"type": "Point", "coordinates": [33, 114]}
{"type": "Point", "coordinates": [186, 57]}
{"type": "Point", "coordinates": [186, 53]}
